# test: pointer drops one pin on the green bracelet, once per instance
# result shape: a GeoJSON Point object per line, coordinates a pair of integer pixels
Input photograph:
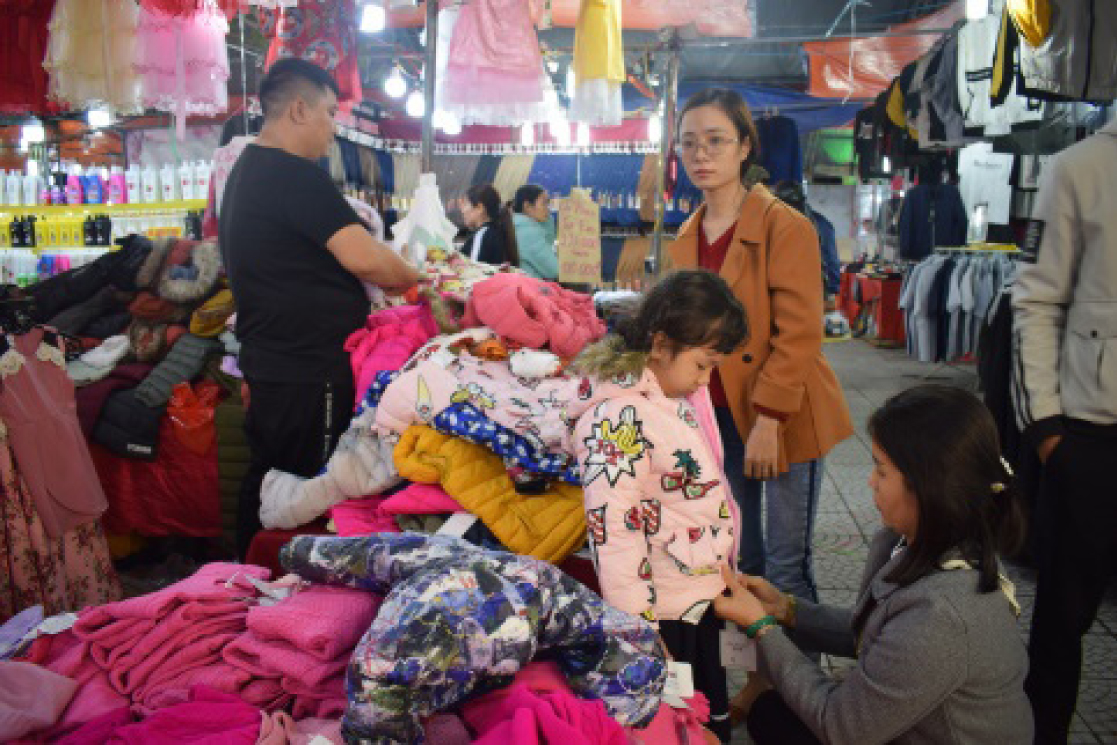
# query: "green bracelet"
{"type": "Point", "coordinates": [753, 629]}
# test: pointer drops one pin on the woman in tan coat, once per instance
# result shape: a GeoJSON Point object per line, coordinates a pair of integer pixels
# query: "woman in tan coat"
{"type": "Point", "coordinates": [780, 408]}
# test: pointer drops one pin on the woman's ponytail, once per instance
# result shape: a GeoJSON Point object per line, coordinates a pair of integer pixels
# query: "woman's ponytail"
{"type": "Point", "coordinates": [508, 225]}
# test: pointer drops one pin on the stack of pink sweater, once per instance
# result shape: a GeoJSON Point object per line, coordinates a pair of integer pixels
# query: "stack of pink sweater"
{"type": "Point", "coordinates": [151, 651]}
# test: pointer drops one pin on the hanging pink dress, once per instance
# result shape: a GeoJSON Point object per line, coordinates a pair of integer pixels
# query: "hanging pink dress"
{"type": "Point", "coordinates": [37, 405]}
{"type": "Point", "coordinates": [182, 62]}
{"type": "Point", "coordinates": [52, 547]}
{"type": "Point", "coordinates": [494, 55]}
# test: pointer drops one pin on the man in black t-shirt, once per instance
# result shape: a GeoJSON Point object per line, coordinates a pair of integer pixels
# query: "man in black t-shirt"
{"type": "Point", "coordinates": [296, 253]}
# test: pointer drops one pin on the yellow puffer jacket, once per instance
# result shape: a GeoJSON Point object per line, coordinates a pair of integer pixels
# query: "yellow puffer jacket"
{"type": "Point", "coordinates": [549, 527]}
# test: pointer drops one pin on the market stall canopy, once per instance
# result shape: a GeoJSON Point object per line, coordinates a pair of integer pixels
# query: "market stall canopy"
{"type": "Point", "coordinates": [862, 68]}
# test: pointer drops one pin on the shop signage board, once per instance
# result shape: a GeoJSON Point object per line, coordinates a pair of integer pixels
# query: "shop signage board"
{"type": "Point", "coordinates": [579, 239]}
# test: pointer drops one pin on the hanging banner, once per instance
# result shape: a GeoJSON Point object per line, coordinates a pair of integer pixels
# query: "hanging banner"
{"type": "Point", "coordinates": [862, 68]}
{"type": "Point", "coordinates": [579, 239]}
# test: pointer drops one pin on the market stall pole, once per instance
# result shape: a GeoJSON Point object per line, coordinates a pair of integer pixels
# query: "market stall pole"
{"type": "Point", "coordinates": [428, 87]}
{"type": "Point", "coordinates": [670, 99]}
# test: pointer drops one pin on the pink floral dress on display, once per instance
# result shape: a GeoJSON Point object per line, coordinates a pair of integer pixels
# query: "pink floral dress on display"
{"type": "Point", "coordinates": [61, 563]}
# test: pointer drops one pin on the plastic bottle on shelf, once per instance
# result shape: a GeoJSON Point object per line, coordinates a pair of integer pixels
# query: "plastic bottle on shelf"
{"type": "Point", "coordinates": [186, 181]}
{"type": "Point", "coordinates": [13, 189]}
{"type": "Point", "coordinates": [168, 182]}
{"type": "Point", "coordinates": [201, 179]}
{"type": "Point", "coordinates": [134, 190]}
{"type": "Point", "coordinates": [58, 188]}
{"type": "Point", "coordinates": [94, 189]}
{"type": "Point", "coordinates": [32, 189]}
{"type": "Point", "coordinates": [118, 186]}
{"type": "Point", "coordinates": [150, 184]}
{"type": "Point", "coordinates": [74, 191]}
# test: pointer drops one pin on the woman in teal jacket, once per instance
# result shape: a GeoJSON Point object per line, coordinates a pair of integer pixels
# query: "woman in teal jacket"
{"type": "Point", "coordinates": [535, 232]}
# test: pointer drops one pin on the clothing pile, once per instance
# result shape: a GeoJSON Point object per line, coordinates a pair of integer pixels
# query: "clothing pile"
{"type": "Point", "coordinates": [946, 299]}
{"type": "Point", "coordinates": [437, 640]}
{"type": "Point", "coordinates": [472, 422]}
{"type": "Point", "coordinates": [146, 319]}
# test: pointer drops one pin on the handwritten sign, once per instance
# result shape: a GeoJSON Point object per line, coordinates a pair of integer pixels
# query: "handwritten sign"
{"type": "Point", "coordinates": [579, 239]}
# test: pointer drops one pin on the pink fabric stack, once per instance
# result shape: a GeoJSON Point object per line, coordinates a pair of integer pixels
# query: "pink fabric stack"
{"type": "Point", "coordinates": [304, 643]}
{"type": "Point", "coordinates": [534, 313]}
{"type": "Point", "coordinates": [150, 652]}
{"type": "Point", "coordinates": [388, 340]}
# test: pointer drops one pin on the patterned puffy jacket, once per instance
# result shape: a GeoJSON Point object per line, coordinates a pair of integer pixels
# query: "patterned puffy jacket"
{"type": "Point", "coordinates": [459, 621]}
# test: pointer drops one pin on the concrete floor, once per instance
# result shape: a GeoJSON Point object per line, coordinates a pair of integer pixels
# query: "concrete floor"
{"type": "Point", "coordinates": [847, 520]}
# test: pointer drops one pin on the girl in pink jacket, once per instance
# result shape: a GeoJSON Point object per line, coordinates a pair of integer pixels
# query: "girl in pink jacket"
{"type": "Point", "coordinates": [659, 513]}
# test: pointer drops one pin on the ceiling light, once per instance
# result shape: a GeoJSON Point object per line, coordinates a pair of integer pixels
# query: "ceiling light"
{"type": "Point", "coordinates": [451, 125]}
{"type": "Point", "coordinates": [553, 65]}
{"type": "Point", "coordinates": [98, 118]}
{"type": "Point", "coordinates": [373, 18]}
{"type": "Point", "coordinates": [560, 130]}
{"type": "Point", "coordinates": [655, 128]}
{"type": "Point", "coordinates": [527, 135]}
{"type": "Point", "coordinates": [34, 132]}
{"type": "Point", "coordinates": [583, 134]}
{"type": "Point", "coordinates": [416, 107]}
{"type": "Point", "coordinates": [395, 86]}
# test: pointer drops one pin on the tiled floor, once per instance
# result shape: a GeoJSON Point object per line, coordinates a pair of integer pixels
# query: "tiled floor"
{"type": "Point", "coordinates": [847, 519]}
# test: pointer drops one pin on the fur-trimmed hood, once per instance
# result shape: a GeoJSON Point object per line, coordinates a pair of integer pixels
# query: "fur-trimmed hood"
{"type": "Point", "coordinates": [610, 357]}
{"type": "Point", "coordinates": [155, 272]}
{"type": "Point", "coordinates": [610, 370]}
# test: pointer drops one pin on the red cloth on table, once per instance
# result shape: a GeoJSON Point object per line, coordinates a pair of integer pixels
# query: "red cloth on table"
{"type": "Point", "coordinates": [849, 307]}
{"type": "Point", "coordinates": [175, 495]}
{"type": "Point", "coordinates": [890, 321]}
{"type": "Point", "coordinates": [711, 256]}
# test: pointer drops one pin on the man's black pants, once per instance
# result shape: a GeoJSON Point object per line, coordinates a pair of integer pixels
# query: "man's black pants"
{"type": "Point", "coordinates": [1076, 530]}
{"type": "Point", "coordinates": [292, 427]}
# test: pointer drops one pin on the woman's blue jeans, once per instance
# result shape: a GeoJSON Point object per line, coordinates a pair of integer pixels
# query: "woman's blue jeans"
{"type": "Point", "coordinates": [782, 553]}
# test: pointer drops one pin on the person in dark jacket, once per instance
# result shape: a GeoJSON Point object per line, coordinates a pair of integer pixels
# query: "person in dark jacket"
{"type": "Point", "coordinates": [494, 237]}
{"type": "Point", "coordinates": [791, 192]}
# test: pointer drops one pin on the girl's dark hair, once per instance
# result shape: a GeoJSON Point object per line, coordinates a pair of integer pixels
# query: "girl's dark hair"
{"type": "Point", "coordinates": [488, 197]}
{"type": "Point", "coordinates": [693, 308]}
{"type": "Point", "coordinates": [526, 195]}
{"type": "Point", "coordinates": [734, 107]}
{"type": "Point", "coordinates": [944, 442]}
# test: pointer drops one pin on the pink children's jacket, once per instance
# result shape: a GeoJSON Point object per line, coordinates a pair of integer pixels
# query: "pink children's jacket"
{"type": "Point", "coordinates": [659, 513]}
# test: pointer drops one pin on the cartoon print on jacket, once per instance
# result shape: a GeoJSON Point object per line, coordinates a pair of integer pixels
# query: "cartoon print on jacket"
{"type": "Point", "coordinates": [686, 478]}
{"type": "Point", "coordinates": [458, 621]}
{"type": "Point", "coordinates": [614, 449]}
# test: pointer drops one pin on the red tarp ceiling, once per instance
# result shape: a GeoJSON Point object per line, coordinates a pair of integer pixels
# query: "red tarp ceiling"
{"type": "Point", "coordinates": [876, 60]}
{"type": "Point", "coordinates": [711, 17]}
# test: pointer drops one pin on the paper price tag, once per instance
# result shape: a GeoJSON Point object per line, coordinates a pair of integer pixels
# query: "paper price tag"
{"type": "Point", "coordinates": [680, 681]}
{"type": "Point", "coordinates": [737, 650]}
{"type": "Point", "coordinates": [458, 524]}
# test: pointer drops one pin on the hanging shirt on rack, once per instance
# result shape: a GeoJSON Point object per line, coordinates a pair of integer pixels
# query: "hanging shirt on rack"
{"type": "Point", "coordinates": [984, 179]}
{"type": "Point", "coordinates": [932, 215]}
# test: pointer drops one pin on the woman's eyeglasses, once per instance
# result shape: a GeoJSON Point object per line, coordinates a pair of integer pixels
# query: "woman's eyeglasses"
{"type": "Point", "coordinates": [714, 145]}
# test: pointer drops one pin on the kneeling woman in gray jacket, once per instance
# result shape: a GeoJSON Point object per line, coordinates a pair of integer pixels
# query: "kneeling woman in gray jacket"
{"type": "Point", "coordinates": [939, 655]}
